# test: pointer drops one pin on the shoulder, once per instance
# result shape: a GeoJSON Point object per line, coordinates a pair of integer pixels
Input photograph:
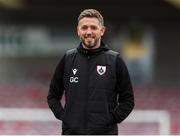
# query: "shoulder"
{"type": "Point", "coordinates": [71, 51]}
{"type": "Point", "coordinates": [117, 56]}
{"type": "Point", "coordinates": [70, 55]}
{"type": "Point", "coordinates": [112, 53]}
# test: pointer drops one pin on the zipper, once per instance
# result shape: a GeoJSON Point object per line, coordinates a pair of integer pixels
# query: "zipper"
{"type": "Point", "coordinates": [86, 123]}
{"type": "Point", "coordinates": [88, 57]}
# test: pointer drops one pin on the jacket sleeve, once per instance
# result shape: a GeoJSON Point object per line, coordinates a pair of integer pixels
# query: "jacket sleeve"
{"type": "Point", "coordinates": [125, 92]}
{"type": "Point", "coordinates": [56, 90]}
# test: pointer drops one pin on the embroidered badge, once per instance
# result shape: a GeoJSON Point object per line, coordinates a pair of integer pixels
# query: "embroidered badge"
{"type": "Point", "coordinates": [101, 69]}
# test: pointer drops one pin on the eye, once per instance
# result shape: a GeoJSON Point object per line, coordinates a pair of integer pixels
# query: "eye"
{"type": "Point", "coordinates": [94, 27]}
{"type": "Point", "coordinates": [84, 28]}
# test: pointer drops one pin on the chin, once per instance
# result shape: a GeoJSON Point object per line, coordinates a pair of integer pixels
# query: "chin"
{"type": "Point", "coordinates": [89, 46]}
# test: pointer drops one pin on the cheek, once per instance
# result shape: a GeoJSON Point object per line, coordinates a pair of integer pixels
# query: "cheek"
{"type": "Point", "coordinates": [80, 34]}
{"type": "Point", "coordinates": [98, 34]}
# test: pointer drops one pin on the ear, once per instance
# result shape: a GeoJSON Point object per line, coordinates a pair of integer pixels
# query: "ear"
{"type": "Point", "coordinates": [103, 29]}
{"type": "Point", "coordinates": [77, 29]}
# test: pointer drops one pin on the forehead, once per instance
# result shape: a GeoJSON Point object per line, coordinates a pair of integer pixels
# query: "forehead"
{"type": "Point", "coordinates": [89, 21]}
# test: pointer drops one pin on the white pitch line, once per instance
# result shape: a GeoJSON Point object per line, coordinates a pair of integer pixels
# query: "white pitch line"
{"type": "Point", "coordinates": [26, 114]}
{"type": "Point", "coordinates": [44, 115]}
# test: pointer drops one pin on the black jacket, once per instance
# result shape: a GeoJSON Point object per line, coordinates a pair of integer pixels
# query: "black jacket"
{"type": "Point", "coordinates": [98, 91]}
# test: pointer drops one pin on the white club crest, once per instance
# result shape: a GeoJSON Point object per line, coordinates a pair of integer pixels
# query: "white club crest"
{"type": "Point", "coordinates": [101, 69]}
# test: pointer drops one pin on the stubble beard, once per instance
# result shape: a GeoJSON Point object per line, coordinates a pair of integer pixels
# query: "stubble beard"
{"type": "Point", "coordinates": [90, 44]}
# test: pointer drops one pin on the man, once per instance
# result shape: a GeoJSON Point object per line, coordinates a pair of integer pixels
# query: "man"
{"type": "Point", "coordinates": [98, 90]}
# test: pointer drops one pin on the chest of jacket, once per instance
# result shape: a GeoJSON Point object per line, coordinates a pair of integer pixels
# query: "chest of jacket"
{"type": "Point", "coordinates": [94, 73]}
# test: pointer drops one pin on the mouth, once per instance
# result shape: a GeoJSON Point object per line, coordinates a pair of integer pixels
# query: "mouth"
{"type": "Point", "coordinates": [89, 38]}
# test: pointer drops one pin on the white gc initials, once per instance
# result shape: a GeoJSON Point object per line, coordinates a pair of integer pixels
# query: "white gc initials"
{"type": "Point", "coordinates": [73, 79]}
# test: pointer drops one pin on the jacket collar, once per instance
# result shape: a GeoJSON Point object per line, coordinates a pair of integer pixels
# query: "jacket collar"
{"type": "Point", "coordinates": [90, 52]}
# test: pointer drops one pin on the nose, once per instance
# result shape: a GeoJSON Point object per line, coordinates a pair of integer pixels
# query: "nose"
{"type": "Point", "coordinates": [89, 31]}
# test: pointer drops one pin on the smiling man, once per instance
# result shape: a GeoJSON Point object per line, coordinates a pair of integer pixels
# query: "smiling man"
{"type": "Point", "coordinates": [90, 31]}
{"type": "Point", "coordinates": [95, 82]}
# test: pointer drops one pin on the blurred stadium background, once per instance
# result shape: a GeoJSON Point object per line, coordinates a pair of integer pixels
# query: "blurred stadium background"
{"type": "Point", "coordinates": [34, 34]}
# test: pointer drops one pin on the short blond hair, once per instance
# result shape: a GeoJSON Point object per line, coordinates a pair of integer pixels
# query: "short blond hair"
{"type": "Point", "coordinates": [91, 13]}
